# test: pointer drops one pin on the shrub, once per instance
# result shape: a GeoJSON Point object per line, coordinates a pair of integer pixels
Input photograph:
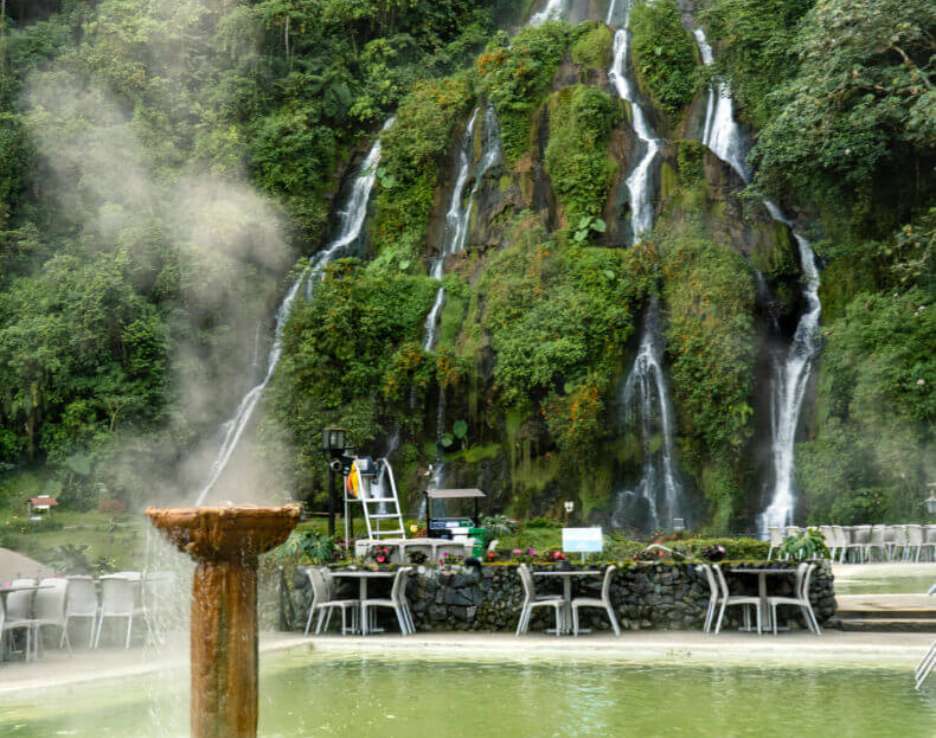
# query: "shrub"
{"type": "Point", "coordinates": [577, 160]}
{"type": "Point", "coordinates": [516, 75]}
{"type": "Point", "coordinates": [664, 54]}
{"type": "Point", "coordinates": [594, 46]}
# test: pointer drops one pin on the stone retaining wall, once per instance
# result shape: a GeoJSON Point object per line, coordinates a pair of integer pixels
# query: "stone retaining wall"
{"type": "Point", "coordinates": [661, 596]}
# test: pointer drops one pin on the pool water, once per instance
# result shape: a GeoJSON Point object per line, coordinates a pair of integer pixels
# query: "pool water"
{"type": "Point", "coordinates": [363, 696]}
{"type": "Point", "coordinates": [885, 579]}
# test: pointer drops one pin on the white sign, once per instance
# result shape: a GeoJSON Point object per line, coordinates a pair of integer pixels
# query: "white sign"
{"type": "Point", "coordinates": [582, 540]}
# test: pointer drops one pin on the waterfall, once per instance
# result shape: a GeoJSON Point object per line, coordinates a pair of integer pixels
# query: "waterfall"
{"type": "Point", "coordinates": [722, 135]}
{"type": "Point", "coordinates": [458, 217]}
{"type": "Point", "coordinates": [351, 224]}
{"type": "Point", "coordinates": [554, 10]}
{"type": "Point", "coordinates": [644, 395]}
{"type": "Point", "coordinates": [790, 380]}
{"type": "Point", "coordinates": [639, 182]}
{"type": "Point", "coordinates": [644, 403]}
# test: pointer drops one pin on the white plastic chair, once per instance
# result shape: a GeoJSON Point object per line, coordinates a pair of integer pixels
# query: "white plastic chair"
{"type": "Point", "coordinates": [915, 540]}
{"type": "Point", "coordinates": [831, 539]}
{"type": "Point", "coordinates": [706, 569]}
{"type": "Point", "coordinates": [800, 599]}
{"type": "Point", "coordinates": [730, 600]}
{"type": "Point", "coordinates": [604, 602]}
{"type": "Point", "coordinates": [776, 541]}
{"type": "Point", "coordinates": [325, 603]}
{"type": "Point", "coordinates": [18, 615]}
{"type": "Point", "coordinates": [900, 541]}
{"type": "Point", "coordinates": [861, 539]}
{"type": "Point", "coordinates": [929, 543]}
{"type": "Point", "coordinates": [49, 609]}
{"type": "Point", "coordinates": [532, 600]}
{"type": "Point", "coordinates": [877, 541]}
{"type": "Point", "coordinates": [397, 602]}
{"type": "Point", "coordinates": [119, 599]}
{"type": "Point", "coordinates": [81, 602]}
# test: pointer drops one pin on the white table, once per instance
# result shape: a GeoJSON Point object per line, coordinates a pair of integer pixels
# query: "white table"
{"type": "Point", "coordinates": [762, 574]}
{"type": "Point", "coordinates": [363, 576]}
{"type": "Point", "coordinates": [566, 576]}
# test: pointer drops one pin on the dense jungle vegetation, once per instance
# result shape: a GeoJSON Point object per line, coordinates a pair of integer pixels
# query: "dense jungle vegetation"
{"type": "Point", "coordinates": [164, 165]}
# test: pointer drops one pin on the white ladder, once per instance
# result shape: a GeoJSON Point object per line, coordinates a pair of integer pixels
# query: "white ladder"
{"type": "Point", "coordinates": [929, 661]}
{"type": "Point", "coordinates": [378, 496]}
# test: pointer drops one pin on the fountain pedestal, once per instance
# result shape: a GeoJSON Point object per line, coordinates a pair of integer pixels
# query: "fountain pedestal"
{"type": "Point", "coordinates": [226, 543]}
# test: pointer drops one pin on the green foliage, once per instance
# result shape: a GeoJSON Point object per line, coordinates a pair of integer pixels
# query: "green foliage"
{"type": "Point", "coordinates": [859, 114]}
{"type": "Point", "coordinates": [516, 74]}
{"type": "Point", "coordinates": [709, 296]}
{"type": "Point", "coordinates": [755, 49]}
{"type": "Point", "coordinates": [414, 150]}
{"type": "Point", "coordinates": [593, 48]}
{"type": "Point", "coordinates": [351, 357]}
{"type": "Point", "coordinates": [736, 549]}
{"type": "Point", "coordinates": [577, 160]}
{"type": "Point", "coordinates": [806, 545]}
{"type": "Point", "coordinates": [664, 55]}
{"type": "Point", "coordinates": [534, 292]}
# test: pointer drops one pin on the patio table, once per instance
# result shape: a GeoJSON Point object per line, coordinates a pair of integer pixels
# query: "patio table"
{"type": "Point", "coordinates": [762, 575]}
{"type": "Point", "coordinates": [363, 576]}
{"type": "Point", "coordinates": [566, 576]}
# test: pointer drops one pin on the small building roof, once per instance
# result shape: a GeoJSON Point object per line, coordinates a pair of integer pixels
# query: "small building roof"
{"type": "Point", "coordinates": [452, 494]}
{"type": "Point", "coordinates": [43, 501]}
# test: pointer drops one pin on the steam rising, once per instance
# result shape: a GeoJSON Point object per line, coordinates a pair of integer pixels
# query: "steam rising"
{"type": "Point", "coordinates": [208, 249]}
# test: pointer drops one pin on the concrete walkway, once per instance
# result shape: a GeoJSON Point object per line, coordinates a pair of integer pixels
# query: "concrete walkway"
{"type": "Point", "coordinates": [833, 648]}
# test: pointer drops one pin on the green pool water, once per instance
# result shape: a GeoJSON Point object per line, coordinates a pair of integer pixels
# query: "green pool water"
{"type": "Point", "coordinates": [305, 695]}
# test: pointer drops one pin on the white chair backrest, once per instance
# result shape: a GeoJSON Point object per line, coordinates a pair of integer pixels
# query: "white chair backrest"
{"type": "Point", "coordinates": [49, 604]}
{"type": "Point", "coordinates": [828, 534]}
{"type": "Point", "coordinates": [82, 596]}
{"type": "Point", "coordinates": [930, 534]}
{"type": "Point", "coordinates": [793, 530]}
{"type": "Point", "coordinates": [776, 536]}
{"type": "Point", "coordinates": [914, 534]}
{"type": "Point", "coordinates": [862, 534]}
{"type": "Point", "coordinates": [606, 584]}
{"type": "Point", "coordinates": [722, 582]}
{"type": "Point", "coordinates": [900, 535]}
{"type": "Point", "coordinates": [527, 578]}
{"type": "Point", "coordinates": [803, 591]}
{"type": "Point", "coordinates": [320, 592]}
{"type": "Point", "coordinates": [118, 595]}
{"type": "Point", "coordinates": [19, 604]}
{"type": "Point", "coordinates": [709, 577]}
{"type": "Point", "coordinates": [399, 583]}
{"type": "Point", "coordinates": [801, 570]}
{"type": "Point", "coordinates": [877, 534]}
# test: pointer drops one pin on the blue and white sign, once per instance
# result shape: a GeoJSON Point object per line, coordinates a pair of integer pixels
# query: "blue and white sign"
{"type": "Point", "coordinates": [582, 540]}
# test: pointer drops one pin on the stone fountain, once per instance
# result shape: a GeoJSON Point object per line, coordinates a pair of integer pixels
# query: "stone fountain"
{"type": "Point", "coordinates": [226, 543]}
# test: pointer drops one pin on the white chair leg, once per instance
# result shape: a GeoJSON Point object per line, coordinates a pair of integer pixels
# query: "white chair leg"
{"type": "Point", "coordinates": [575, 621]}
{"type": "Point", "coordinates": [309, 620]}
{"type": "Point", "coordinates": [520, 622]}
{"type": "Point", "coordinates": [400, 619]}
{"type": "Point", "coordinates": [129, 629]}
{"type": "Point", "coordinates": [321, 621]}
{"type": "Point", "coordinates": [614, 623]}
{"type": "Point", "coordinates": [721, 615]}
{"type": "Point", "coordinates": [328, 616]}
{"type": "Point", "coordinates": [559, 620]}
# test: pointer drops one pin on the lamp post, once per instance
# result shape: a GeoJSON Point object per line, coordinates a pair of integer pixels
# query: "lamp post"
{"type": "Point", "coordinates": [569, 509]}
{"type": "Point", "coordinates": [334, 444]}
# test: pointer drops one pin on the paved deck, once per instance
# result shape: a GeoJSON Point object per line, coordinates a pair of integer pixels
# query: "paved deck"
{"type": "Point", "coordinates": [833, 648]}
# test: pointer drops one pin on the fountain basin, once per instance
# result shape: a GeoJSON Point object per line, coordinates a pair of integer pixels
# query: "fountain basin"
{"type": "Point", "coordinates": [226, 543]}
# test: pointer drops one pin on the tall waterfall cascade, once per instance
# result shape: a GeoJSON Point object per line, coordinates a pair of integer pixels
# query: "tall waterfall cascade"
{"type": "Point", "coordinates": [645, 404]}
{"type": "Point", "coordinates": [639, 182]}
{"type": "Point", "coordinates": [457, 225]}
{"type": "Point", "coordinates": [644, 397]}
{"type": "Point", "coordinates": [791, 373]}
{"type": "Point", "coordinates": [351, 224]}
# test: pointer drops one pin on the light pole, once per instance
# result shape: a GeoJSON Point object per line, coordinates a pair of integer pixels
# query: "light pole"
{"type": "Point", "coordinates": [334, 444]}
